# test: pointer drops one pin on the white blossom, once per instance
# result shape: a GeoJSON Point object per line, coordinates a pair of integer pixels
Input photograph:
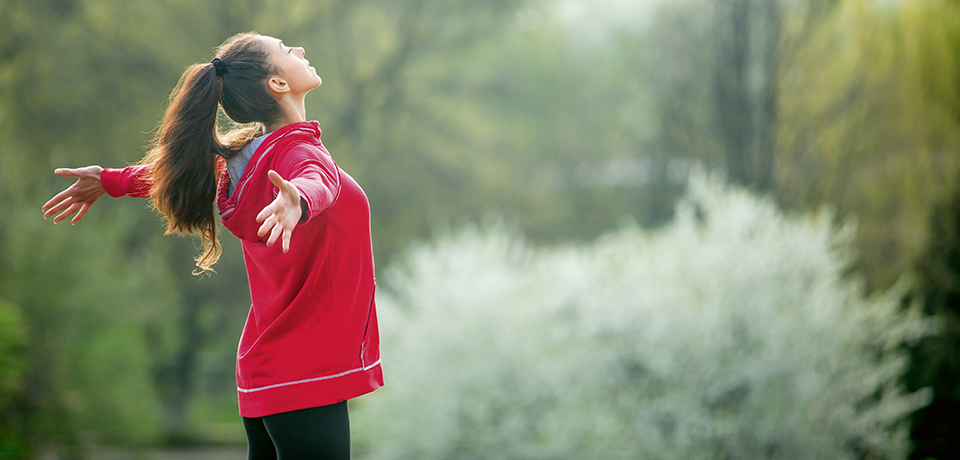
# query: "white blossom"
{"type": "Point", "coordinates": [732, 332]}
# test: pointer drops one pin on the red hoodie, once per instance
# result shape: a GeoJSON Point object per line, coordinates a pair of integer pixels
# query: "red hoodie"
{"type": "Point", "coordinates": [311, 336]}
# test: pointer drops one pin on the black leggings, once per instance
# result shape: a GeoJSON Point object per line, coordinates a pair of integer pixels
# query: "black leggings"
{"type": "Point", "coordinates": [316, 433]}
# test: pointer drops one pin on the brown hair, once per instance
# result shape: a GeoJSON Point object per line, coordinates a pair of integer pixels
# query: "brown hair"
{"type": "Point", "coordinates": [187, 143]}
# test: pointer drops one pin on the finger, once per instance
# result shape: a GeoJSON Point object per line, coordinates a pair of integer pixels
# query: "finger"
{"type": "Point", "coordinates": [64, 203]}
{"type": "Point", "coordinates": [69, 172]}
{"type": "Point", "coordinates": [48, 210]}
{"type": "Point", "coordinates": [274, 234]}
{"type": "Point", "coordinates": [267, 211]}
{"type": "Point", "coordinates": [267, 225]}
{"type": "Point", "coordinates": [289, 189]}
{"type": "Point", "coordinates": [59, 207]}
{"type": "Point", "coordinates": [275, 179]}
{"type": "Point", "coordinates": [80, 214]}
{"type": "Point", "coordinates": [286, 188]}
{"type": "Point", "coordinates": [287, 233]}
{"type": "Point", "coordinates": [69, 212]}
{"type": "Point", "coordinates": [57, 199]}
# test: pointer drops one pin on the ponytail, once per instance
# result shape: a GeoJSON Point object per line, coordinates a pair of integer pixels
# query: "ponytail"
{"type": "Point", "coordinates": [186, 146]}
{"type": "Point", "coordinates": [184, 158]}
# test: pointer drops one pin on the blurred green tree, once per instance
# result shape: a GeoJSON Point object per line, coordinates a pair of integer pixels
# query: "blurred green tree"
{"type": "Point", "coordinates": [935, 361]}
{"type": "Point", "coordinates": [869, 122]}
{"type": "Point", "coordinates": [80, 85]}
{"type": "Point", "coordinates": [13, 344]}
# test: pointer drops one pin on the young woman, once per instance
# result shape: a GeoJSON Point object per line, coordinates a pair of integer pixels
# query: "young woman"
{"type": "Point", "coordinates": [310, 341]}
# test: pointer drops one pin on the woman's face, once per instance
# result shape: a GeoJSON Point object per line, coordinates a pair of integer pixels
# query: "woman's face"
{"type": "Point", "coordinates": [293, 67]}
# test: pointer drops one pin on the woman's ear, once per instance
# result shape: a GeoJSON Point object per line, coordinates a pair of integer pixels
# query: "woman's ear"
{"type": "Point", "coordinates": [278, 85]}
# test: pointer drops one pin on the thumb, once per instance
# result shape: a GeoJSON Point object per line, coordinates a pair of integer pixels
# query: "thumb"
{"type": "Point", "coordinates": [275, 178]}
{"type": "Point", "coordinates": [67, 172]}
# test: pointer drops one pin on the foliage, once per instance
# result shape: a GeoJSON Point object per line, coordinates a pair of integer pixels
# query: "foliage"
{"type": "Point", "coordinates": [935, 362]}
{"type": "Point", "coordinates": [870, 112]}
{"type": "Point", "coordinates": [566, 116]}
{"type": "Point", "coordinates": [13, 342]}
{"type": "Point", "coordinates": [81, 85]}
{"type": "Point", "coordinates": [869, 121]}
{"type": "Point", "coordinates": [731, 332]}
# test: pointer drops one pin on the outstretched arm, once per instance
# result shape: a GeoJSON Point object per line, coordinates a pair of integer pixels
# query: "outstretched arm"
{"type": "Point", "coordinates": [281, 216]}
{"type": "Point", "coordinates": [77, 198]}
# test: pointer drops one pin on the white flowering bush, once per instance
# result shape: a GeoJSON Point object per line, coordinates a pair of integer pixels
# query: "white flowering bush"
{"type": "Point", "coordinates": [732, 333]}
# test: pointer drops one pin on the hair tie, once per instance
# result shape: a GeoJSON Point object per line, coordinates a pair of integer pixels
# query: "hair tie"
{"type": "Point", "coordinates": [220, 67]}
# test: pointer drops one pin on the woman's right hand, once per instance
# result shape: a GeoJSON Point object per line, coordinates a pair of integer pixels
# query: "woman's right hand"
{"type": "Point", "coordinates": [77, 198]}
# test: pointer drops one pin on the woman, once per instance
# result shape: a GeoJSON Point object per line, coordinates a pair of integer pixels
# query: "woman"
{"type": "Point", "coordinates": [310, 341]}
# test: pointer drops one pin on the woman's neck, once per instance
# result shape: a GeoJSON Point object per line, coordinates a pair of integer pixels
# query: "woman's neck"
{"type": "Point", "coordinates": [292, 111]}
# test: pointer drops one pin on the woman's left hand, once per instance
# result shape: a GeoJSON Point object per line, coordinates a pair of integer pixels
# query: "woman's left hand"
{"type": "Point", "coordinates": [78, 197]}
{"type": "Point", "coordinates": [280, 217]}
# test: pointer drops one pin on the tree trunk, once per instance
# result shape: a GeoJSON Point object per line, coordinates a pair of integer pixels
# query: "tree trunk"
{"type": "Point", "coordinates": [747, 36]}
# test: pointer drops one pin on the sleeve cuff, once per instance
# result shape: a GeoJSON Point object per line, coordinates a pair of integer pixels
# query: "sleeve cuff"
{"type": "Point", "coordinates": [305, 201]}
{"type": "Point", "coordinates": [110, 179]}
